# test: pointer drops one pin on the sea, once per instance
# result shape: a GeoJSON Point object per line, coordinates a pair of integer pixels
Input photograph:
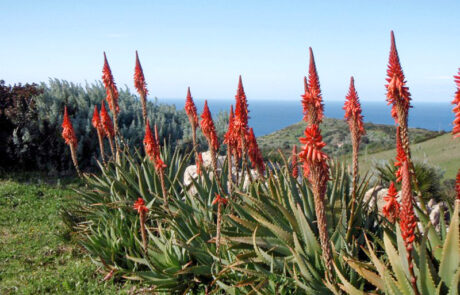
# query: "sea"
{"type": "Point", "coordinates": [271, 115]}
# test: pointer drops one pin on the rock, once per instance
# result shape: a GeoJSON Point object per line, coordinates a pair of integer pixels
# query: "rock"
{"type": "Point", "coordinates": [371, 196]}
{"type": "Point", "coordinates": [207, 161]}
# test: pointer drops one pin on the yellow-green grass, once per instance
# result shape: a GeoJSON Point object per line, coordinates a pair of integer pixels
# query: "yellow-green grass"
{"type": "Point", "coordinates": [442, 151]}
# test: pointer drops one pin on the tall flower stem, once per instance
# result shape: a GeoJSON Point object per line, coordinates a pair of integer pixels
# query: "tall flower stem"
{"type": "Point", "coordinates": [112, 148]}
{"type": "Point", "coordinates": [73, 153]}
{"type": "Point", "coordinates": [214, 167]}
{"type": "Point", "coordinates": [101, 145]}
{"type": "Point", "coordinates": [163, 187]}
{"type": "Point", "coordinates": [143, 233]}
{"type": "Point", "coordinates": [219, 217]}
{"type": "Point", "coordinates": [230, 175]}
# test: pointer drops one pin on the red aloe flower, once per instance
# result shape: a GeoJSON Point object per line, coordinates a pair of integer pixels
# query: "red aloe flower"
{"type": "Point", "coordinates": [219, 199]}
{"type": "Point", "coordinates": [313, 145]}
{"type": "Point", "coordinates": [67, 130]}
{"type": "Point", "coordinates": [139, 79]}
{"type": "Point", "coordinates": [398, 93]}
{"type": "Point", "coordinates": [391, 208]}
{"type": "Point", "coordinates": [457, 185]}
{"type": "Point", "coordinates": [139, 205]}
{"type": "Point", "coordinates": [70, 138]}
{"type": "Point", "coordinates": [400, 156]}
{"type": "Point", "coordinates": [96, 121]}
{"type": "Point", "coordinates": [353, 111]}
{"type": "Point", "coordinates": [110, 86]}
{"type": "Point", "coordinates": [241, 110]}
{"type": "Point", "coordinates": [190, 109]}
{"type": "Point", "coordinates": [254, 152]}
{"type": "Point", "coordinates": [295, 167]}
{"type": "Point", "coordinates": [408, 221]}
{"type": "Point", "coordinates": [407, 215]}
{"type": "Point", "coordinates": [106, 122]}
{"type": "Point", "coordinates": [456, 109]}
{"type": "Point", "coordinates": [208, 128]}
{"type": "Point", "coordinates": [152, 149]}
{"type": "Point", "coordinates": [313, 108]}
{"type": "Point", "coordinates": [230, 137]}
{"type": "Point", "coordinates": [199, 162]}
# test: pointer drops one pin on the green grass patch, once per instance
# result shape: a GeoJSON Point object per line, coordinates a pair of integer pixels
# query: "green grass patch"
{"type": "Point", "coordinates": [37, 254]}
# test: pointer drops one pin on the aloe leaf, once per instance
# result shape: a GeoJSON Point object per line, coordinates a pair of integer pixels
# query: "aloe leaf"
{"type": "Point", "coordinates": [450, 258]}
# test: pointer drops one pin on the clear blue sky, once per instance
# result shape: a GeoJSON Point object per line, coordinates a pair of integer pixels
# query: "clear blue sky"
{"type": "Point", "coordinates": [207, 44]}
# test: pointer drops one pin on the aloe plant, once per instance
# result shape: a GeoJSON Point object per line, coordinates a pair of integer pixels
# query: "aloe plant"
{"type": "Point", "coordinates": [436, 263]}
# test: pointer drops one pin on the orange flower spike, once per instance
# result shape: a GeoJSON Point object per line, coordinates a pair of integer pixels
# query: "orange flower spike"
{"type": "Point", "coordinates": [407, 216]}
{"type": "Point", "coordinates": [254, 152]}
{"type": "Point", "coordinates": [313, 107]}
{"type": "Point", "coordinates": [159, 164]}
{"type": "Point", "coordinates": [456, 109]}
{"type": "Point", "coordinates": [295, 167]}
{"type": "Point", "coordinates": [314, 144]}
{"type": "Point", "coordinates": [110, 86]}
{"type": "Point", "coordinates": [68, 132]}
{"type": "Point", "coordinates": [241, 109]}
{"type": "Point", "coordinates": [149, 142]}
{"type": "Point", "coordinates": [219, 199]}
{"type": "Point", "coordinates": [229, 137]}
{"type": "Point", "coordinates": [391, 208]}
{"type": "Point", "coordinates": [139, 205]}
{"type": "Point", "coordinates": [208, 128]}
{"type": "Point", "coordinates": [199, 162]}
{"type": "Point", "coordinates": [190, 109]}
{"type": "Point", "coordinates": [139, 79]}
{"type": "Point", "coordinates": [353, 109]}
{"type": "Point", "coordinates": [96, 121]}
{"type": "Point", "coordinates": [106, 122]}
{"type": "Point", "coordinates": [397, 92]}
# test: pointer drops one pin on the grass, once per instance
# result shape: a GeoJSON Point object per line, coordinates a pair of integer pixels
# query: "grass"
{"type": "Point", "coordinates": [442, 151]}
{"type": "Point", "coordinates": [37, 254]}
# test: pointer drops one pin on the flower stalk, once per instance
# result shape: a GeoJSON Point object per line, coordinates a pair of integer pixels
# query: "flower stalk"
{"type": "Point", "coordinates": [112, 98]}
{"type": "Point", "coordinates": [190, 110]}
{"type": "Point", "coordinates": [408, 221]}
{"type": "Point", "coordinates": [96, 121]}
{"type": "Point", "coordinates": [152, 150]}
{"type": "Point", "coordinates": [107, 126]}
{"type": "Point", "coordinates": [219, 201]}
{"type": "Point", "coordinates": [316, 170]}
{"type": "Point", "coordinates": [456, 109]}
{"type": "Point", "coordinates": [139, 205]}
{"type": "Point", "coordinates": [294, 165]}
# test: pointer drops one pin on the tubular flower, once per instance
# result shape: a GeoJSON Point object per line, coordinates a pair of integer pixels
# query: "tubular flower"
{"type": "Point", "coordinates": [456, 109]}
{"type": "Point", "coordinates": [110, 86]}
{"type": "Point", "coordinates": [139, 79]}
{"type": "Point", "coordinates": [312, 153]}
{"type": "Point", "coordinates": [391, 208]}
{"type": "Point", "coordinates": [199, 162]}
{"type": "Point", "coordinates": [254, 152]}
{"type": "Point", "coordinates": [397, 92]}
{"type": "Point", "coordinates": [139, 205]}
{"type": "Point", "coordinates": [96, 121]}
{"type": "Point", "coordinates": [219, 199]}
{"type": "Point", "coordinates": [295, 167]}
{"type": "Point", "coordinates": [152, 148]}
{"type": "Point", "coordinates": [67, 130]}
{"type": "Point", "coordinates": [190, 109]}
{"type": "Point", "coordinates": [400, 156]}
{"type": "Point", "coordinates": [106, 122]}
{"type": "Point", "coordinates": [208, 128]}
{"type": "Point", "coordinates": [407, 215]}
{"type": "Point", "coordinates": [230, 137]}
{"type": "Point", "coordinates": [241, 110]}
{"type": "Point", "coordinates": [353, 111]}
{"type": "Point", "coordinates": [313, 108]}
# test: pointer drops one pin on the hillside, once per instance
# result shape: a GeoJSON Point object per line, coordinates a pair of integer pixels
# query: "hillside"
{"type": "Point", "coordinates": [441, 151]}
{"type": "Point", "coordinates": [336, 134]}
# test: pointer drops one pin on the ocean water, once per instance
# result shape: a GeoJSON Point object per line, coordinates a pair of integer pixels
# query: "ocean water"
{"type": "Point", "coordinates": [269, 116]}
